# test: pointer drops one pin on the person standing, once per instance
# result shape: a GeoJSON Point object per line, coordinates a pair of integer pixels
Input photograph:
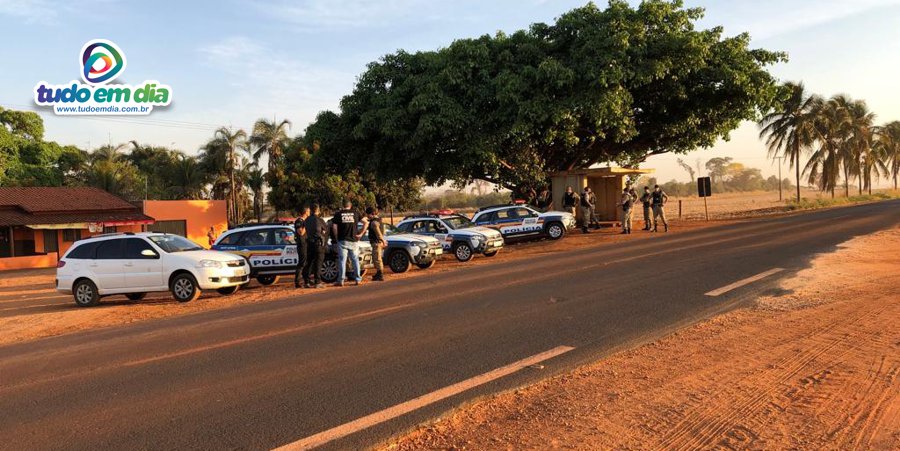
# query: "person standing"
{"type": "Point", "coordinates": [302, 245]}
{"type": "Point", "coordinates": [646, 199]}
{"type": "Point", "coordinates": [544, 201]}
{"type": "Point", "coordinates": [343, 227]}
{"type": "Point", "coordinates": [588, 201]}
{"type": "Point", "coordinates": [372, 222]}
{"type": "Point", "coordinates": [211, 236]}
{"type": "Point", "coordinates": [570, 200]}
{"type": "Point", "coordinates": [316, 242]}
{"type": "Point", "coordinates": [627, 204]}
{"type": "Point", "coordinates": [659, 198]}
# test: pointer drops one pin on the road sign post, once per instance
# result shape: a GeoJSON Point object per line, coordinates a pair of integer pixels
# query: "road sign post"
{"type": "Point", "coordinates": [704, 190]}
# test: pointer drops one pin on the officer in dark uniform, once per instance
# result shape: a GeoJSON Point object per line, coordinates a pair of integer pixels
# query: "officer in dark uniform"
{"type": "Point", "coordinates": [372, 222]}
{"type": "Point", "coordinates": [316, 242]}
{"type": "Point", "coordinates": [300, 238]}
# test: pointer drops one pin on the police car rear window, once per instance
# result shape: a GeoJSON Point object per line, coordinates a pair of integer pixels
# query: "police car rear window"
{"type": "Point", "coordinates": [232, 239]}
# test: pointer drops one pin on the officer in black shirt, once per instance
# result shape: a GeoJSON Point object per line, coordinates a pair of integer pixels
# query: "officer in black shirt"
{"type": "Point", "coordinates": [300, 238]}
{"type": "Point", "coordinates": [316, 242]}
{"type": "Point", "coordinates": [344, 228]}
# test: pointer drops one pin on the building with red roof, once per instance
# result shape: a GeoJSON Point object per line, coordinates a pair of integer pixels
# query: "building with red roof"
{"type": "Point", "coordinates": [38, 224]}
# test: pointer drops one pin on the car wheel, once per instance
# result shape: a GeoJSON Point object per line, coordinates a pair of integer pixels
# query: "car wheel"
{"type": "Point", "coordinates": [463, 251]}
{"type": "Point", "coordinates": [184, 288]}
{"type": "Point", "coordinates": [329, 271]}
{"type": "Point", "coordinates": [426, 265]}
{"type": "Point", "coordinates": [555, 230]}
{"type": "Point", "coordinates": [229, 290]}
{"type": "Point", "coordinates": [135, 296]}
{"type": "Point", "coordinates": [267, 280]}
{"type": "Point", "coordinates": [399, 261]}
{"type": "Point", "coordinates": [491, 254]}
{"type": "Point", "coordinates": [85, 293]}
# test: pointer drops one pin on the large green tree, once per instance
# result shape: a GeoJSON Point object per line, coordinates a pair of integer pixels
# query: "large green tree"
{"type": "Point", "coordinates": [598, 85]}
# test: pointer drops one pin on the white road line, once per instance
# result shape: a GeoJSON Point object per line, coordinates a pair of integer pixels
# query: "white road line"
{"type": "Point", "coordinates": [401, 409]}
{"type": "Point", "coordinates": [742, 282]}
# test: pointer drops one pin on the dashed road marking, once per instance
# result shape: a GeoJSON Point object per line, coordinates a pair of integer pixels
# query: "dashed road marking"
{"type": "Point", "coordinates": [742, 282]}
{"type": "Point", "coordinates": [390, 413]}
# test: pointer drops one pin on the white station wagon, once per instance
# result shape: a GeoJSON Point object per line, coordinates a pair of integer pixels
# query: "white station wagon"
{"type": "Point", "coordinates": [135, 264]}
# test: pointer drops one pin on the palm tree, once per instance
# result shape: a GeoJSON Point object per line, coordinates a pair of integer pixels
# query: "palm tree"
{"type": "Point", "coordinates": [791, 128]}
{"type": "Point", "coordinates": [860, 136]}
{"type": "Point", "coordinates": [107, 153]}
{"type": "Point", "coordinates": [187, 178]}
{"type": "Point", "coordinates": [270, 138]}
{"type": "Point", "coordinates": [829, 134]}
{"type": "Point", "coordinates": [888, 143]}
{"type": "Point", "coordinates": [220, 157]}
{"type": "Point", "coordinates": [255, 181]}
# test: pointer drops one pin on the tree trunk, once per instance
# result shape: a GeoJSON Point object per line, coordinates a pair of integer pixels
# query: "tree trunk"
{"type": "Point", "coordinates": [798, 180]}
{"type": "Point", "coordinates": [846, 182]}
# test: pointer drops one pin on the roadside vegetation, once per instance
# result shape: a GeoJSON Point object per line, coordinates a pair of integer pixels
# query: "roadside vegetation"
{"type": "Point", "coordinates": [810, 204]}
{"type": "Point", "coordinates": [839, 138]}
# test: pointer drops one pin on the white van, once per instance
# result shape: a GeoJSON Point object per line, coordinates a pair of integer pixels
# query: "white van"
{"type": "Point", "coordinates": [135, 264]}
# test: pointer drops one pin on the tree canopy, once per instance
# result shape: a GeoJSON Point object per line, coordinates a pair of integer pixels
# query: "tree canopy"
{"type": "Point", "coordinates": [598, 85]}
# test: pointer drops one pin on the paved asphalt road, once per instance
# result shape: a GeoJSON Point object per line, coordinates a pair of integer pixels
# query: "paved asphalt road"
{"type": "Point", "coordinates": [264, 375]}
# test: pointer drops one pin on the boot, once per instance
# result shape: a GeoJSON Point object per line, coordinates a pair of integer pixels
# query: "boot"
{"type": "Point", "coordinates": [584, 229]}
{"type": "Point", "coordinates": [666, 227]}
{"type": "Point", "coordinates": [378, 277]}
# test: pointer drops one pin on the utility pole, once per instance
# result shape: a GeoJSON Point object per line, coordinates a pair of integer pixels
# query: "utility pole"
{"type": "Point", "coordinates": [780, 195]}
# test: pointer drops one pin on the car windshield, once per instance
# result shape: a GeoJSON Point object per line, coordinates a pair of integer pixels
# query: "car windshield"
{"type": "Point", "coordinates": [391, 230]}
{"type": "Point", "coordinates": [175, 243]}
{"type": "Point", "coordinates": [458, 222]}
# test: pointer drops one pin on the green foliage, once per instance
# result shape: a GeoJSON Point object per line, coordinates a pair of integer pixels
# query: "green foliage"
{"type": "Point", "coordinates": [25, 124]}
{"type": "Point", "coordinates": [617, 85]}
{"type": "Point", "coordinates": [306, 180]}
{"type": "Point", "coordinates": [459, 200]}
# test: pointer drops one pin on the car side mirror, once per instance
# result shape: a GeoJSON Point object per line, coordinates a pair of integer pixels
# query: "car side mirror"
{"type": "Point", "coordinates": [149, 253]}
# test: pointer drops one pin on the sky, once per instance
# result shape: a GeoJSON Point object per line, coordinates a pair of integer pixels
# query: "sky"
{"type": "Point", "coordinates": [231, 62]}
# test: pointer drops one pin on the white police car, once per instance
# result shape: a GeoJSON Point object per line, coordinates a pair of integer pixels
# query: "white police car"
{"type": "Point", "coordinates": [406, 249]}
{"type": "Point", "coordinates": [524, 222]}
{"type": "Point", "coordinates": [456, 233]}
{"type": "Point", "coordinates": [271, 250]}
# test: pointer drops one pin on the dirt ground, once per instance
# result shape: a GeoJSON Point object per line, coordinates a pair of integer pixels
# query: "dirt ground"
{"type": "Point", "coordinates": [30, 308]}
{"type": "Point", "coordinates": [735, 205]}
{"type": "Point", "coordinates": [814, 368]}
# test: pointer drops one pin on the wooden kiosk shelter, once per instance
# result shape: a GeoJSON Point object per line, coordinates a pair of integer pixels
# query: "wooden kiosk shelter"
{"type": "Point", "coordinates": [607, 184]}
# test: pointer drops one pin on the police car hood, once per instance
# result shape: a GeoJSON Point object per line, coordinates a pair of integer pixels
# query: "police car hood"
{"type": "Point", "coordinates": [408, 237]}
{"type": "Point", "coordinates": [486, 232]}
{"type": "Point", "coordinates": [555, 214]}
